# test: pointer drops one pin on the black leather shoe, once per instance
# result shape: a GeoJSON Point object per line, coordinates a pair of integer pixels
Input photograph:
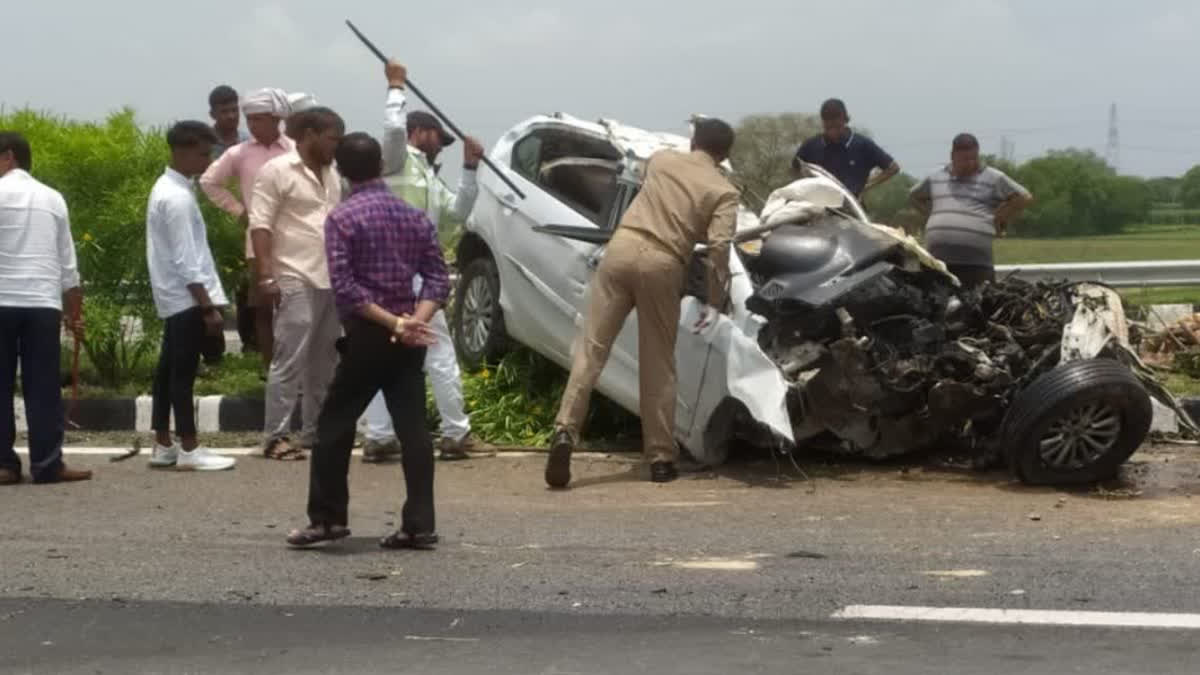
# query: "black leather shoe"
{"type": "Point", "coordinates": [558, 465]}
{"type": "Point", "coordinates": [663, 472]}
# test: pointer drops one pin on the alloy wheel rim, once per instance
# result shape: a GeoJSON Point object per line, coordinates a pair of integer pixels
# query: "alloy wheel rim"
{"type": "Point", "coordinates": [1081, 437]}
{"type": "Point", "coordinates": [478, 305]}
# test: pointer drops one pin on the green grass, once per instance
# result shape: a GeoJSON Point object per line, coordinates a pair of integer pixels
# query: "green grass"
{"type": "Point", "coordinates": [1181, 384]}
{"type": "Point", "coordinates": [1141, 242]}
{"type": "Point", "coordinates": [237, 375]}
{"type": "Point", "coordinates": [1162, 296]}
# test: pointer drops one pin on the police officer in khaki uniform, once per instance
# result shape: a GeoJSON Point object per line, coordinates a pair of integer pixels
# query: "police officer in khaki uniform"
{"type": "Point", "coordinates": [684, 200]}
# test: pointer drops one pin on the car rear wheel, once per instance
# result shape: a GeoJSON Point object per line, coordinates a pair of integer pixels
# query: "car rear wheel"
{"type": "Point", "coordinates": [1077, 423]}
{"type": "Point", "coordinates": [479, 335]}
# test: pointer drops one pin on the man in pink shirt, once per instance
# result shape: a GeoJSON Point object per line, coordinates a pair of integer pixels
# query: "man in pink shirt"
{"type": "Point", "coordinates": [264, 110]}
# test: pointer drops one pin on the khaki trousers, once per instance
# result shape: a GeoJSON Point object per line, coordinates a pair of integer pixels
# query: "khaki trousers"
{"type": "Point", "coordinates": [635, 273]}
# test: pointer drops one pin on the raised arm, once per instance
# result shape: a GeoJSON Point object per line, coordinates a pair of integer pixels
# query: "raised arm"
{"type": "Point", "coordinates": [395, 121]}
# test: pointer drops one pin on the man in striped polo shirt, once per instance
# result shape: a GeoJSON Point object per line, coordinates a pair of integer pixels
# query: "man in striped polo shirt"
{"type": "Point", "coordinates": [968, 205]}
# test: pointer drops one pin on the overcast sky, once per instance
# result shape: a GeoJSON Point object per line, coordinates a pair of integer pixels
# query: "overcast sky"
{"type": "Point", "coordinates": [1044, 72]}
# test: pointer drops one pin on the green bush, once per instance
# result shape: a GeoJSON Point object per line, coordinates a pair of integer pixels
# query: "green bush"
{"type": "Point", "coordinates": [105, 172]}
{"type": "Point", "coordinates": [121, 341]}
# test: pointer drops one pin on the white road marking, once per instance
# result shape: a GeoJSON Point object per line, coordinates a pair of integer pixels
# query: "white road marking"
{"type": "Point", "coordinates": [716, 564]}
{"type": "Point", "coordinates": [432, 638]}
{"type": "Point", "coordinates": [1036, 617]}
{"type": "Point", "coordinates": [957, 574]}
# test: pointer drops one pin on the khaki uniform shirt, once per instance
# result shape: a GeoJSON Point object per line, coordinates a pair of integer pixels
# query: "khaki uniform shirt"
{"type": "Point", "coordinates": [684, 201]}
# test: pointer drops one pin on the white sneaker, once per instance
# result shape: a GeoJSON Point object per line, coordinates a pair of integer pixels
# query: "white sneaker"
{"type": "Point", "coordinates": [163, 456]}
{"type": "Point", "coordinates": [202, 459]}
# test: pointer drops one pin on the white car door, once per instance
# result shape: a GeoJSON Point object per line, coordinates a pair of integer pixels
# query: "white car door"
{"type": "Point", "coordinates": [551, 272]}
{"type": "Point", "coordinates": [620, 380]}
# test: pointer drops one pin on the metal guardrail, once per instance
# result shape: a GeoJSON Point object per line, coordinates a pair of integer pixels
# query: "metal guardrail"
{"type": "Point", "coordinates": [1117, 274]}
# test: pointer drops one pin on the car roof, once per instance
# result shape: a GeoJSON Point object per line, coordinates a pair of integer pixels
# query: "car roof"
{"type": "Point", "coordinates": [629, 140]}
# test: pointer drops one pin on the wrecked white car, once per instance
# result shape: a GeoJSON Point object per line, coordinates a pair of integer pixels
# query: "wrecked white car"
{"type": "Point", "coordinates": [841, 333]}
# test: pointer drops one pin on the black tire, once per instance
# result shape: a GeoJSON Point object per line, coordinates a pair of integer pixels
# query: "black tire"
{"type": "Point", "coordinates": [1103, 411]}
{"type": "Point", "coordinates": [478, 321]}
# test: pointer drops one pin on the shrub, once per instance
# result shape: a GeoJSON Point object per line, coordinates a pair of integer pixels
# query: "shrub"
{"type": "Point", "coordinates": [121, 341]}
{"type": "Point", "coordinates": [105, 172]}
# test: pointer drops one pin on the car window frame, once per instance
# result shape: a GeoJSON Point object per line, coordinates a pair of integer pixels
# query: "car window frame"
{"type": "Point", "coordinates": [616, 205]}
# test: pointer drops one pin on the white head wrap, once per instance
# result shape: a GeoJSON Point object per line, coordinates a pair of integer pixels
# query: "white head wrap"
{"type": "Point", "coordinates": [269, 100]}
{"type": "Point", "coordinates": [298, 101]}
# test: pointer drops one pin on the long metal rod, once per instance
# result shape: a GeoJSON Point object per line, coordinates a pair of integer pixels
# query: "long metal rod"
{"type": "Point", "coordinates": [436, 111]}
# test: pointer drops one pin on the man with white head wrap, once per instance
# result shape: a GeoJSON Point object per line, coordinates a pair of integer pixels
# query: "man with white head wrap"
{"type": "Point", "coordinates": [264, 109]}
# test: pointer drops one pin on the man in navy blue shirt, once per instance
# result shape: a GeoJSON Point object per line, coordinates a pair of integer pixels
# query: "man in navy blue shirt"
{"type": "Point", "coordinates": [850, 157]}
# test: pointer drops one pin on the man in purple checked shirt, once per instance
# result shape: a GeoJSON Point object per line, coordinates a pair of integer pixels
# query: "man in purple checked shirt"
{"type": "Point", "coordinates": [375, 243]}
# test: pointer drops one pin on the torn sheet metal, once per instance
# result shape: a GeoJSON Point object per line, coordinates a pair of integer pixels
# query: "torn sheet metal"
{"type": "Point", "coordinates": [1099, 325]}
{"type": "Point", "coordinates": [752, 377]}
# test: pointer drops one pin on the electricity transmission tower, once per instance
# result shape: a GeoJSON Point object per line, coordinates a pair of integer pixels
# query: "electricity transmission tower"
{"type": "Point", "coordinates": [1113, 153]}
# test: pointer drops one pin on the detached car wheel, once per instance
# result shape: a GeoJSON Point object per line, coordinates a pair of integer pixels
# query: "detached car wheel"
{"type": "Point", "coordinates": [479, 335]}
{"type": "Point", "coordinates": [1077, 423]}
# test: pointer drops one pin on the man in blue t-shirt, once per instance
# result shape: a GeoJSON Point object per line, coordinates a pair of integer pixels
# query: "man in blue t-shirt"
{"type": "Point", "coordinates": [849, 156]}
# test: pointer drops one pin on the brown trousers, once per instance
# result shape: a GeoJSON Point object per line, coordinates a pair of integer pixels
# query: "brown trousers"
{"type": "Point", "coordinates": [635, 273]}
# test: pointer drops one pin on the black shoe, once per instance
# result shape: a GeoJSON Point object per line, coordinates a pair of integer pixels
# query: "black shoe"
{"type": "Point", "coordinates": [663, 472]}
{"type": "Point", "coordinates": [558, 465]}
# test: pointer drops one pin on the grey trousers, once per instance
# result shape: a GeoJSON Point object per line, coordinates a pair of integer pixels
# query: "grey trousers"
{"type": "Point", "coordinates": [305, 355]}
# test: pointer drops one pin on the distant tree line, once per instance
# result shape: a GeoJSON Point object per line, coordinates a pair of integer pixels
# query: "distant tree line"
{"type": "Point", "coordinates": [1076, 191]}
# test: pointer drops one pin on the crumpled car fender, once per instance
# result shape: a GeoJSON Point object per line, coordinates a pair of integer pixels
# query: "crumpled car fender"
{"type": "Point", "coordinates": [750, 377]}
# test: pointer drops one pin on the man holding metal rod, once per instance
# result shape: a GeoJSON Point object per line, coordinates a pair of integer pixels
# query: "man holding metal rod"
{"type": "Point", "coordinates": [412, 143]}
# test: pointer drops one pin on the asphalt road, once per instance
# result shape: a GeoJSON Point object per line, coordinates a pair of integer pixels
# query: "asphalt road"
{"type": "Point", "coordinates": [142, 571]}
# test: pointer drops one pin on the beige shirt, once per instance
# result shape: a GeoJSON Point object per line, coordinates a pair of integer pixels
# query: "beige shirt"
{"type": "Point", "coordinates": [291, 203]}
{"type": "Point", "coordinates": [685, 201]}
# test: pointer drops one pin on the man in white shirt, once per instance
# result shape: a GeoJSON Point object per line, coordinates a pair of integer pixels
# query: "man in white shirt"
{"type": "Point", "coordinates": [411, 145]}
{"type": "Point", "coordinates": [38, 276]}
{"type": "Point", "coordinates": [187, 294]}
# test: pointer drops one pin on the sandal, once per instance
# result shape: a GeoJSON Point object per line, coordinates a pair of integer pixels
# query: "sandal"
{"type": "Point", "coordinates": [402, 540]}
{"type": "Point", "coordinates": [281, 450]}
{"type": "Point", "coordinates": [315, 534]}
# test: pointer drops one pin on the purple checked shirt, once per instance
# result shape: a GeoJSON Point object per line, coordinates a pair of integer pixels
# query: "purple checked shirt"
{"type": "Point", "coordinates": [376, 244]}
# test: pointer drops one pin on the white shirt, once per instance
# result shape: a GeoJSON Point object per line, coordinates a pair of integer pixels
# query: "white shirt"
{"type": "Point", "coordinates": [37, 253]}
{"type": "Point", "coordinates": [177, 246]}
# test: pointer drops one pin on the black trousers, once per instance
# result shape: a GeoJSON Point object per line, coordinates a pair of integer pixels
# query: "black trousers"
{"type": "Point", "coordinates": [972, 276]}
{"type": "Point", "coordinates": [183, 341]}
{"type": "Point", "coordinates": [370, 363]}
{"type": "Point", "coordinates": [31, 335]}
{"type": "Point", "coordinates": [247, 327]}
